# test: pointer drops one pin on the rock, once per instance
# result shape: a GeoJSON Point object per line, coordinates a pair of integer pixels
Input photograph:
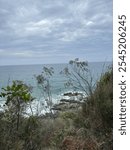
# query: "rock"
{"type": "Point", "coordinates": [70, 101]}
{"type": "Point", "coordinates": [65, 100]}
{"type": "Point", "coordinates": [72, 94]}
{"type": "Point", "coordinates": [60, 107]}
{"type": "Point", "coordinates": [74, 102]}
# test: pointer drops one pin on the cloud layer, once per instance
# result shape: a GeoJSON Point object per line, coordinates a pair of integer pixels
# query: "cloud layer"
{"type": "Point", "coordinates": [55, 31]}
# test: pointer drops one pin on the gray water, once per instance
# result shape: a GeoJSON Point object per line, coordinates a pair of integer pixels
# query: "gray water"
{"type": "Point", "coordinates": [26, 73]}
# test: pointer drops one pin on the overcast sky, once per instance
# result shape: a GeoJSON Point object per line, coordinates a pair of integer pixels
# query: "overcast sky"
{"type": "Point", "coordinates": [55, 31]}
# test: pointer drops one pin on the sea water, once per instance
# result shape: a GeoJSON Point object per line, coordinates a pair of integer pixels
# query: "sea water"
{"type": "Point", "coordinates": [26, 73]}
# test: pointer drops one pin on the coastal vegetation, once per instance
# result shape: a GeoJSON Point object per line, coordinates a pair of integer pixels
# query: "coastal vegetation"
{"type": "Point", "coordinates": [84, 123]}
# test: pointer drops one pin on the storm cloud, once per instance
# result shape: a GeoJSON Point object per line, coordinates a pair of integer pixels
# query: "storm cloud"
{"type": "Point", "coordinates": [55, 31]}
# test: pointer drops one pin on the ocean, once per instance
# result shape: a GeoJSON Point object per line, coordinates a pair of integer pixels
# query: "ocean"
{"type": "Point", "coordinates": [26, 73]}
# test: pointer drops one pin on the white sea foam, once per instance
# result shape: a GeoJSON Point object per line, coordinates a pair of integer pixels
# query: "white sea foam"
{"type": "Point", "coordinates": [26, 74]}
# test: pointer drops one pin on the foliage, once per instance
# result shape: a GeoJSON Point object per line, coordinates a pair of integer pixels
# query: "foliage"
{"type": "Point", "coordinates": [87, 128]}
{"type": "Point", "coordinates": [79, 76]}
{"type": "Point", "coordinates": [98, 110]}
{"type": "Point", "coordinates": [104, 97]}
{"type": "Point", "coordinates": [16, 98]}
{"type": "Point", "coordinates": [43, 82]}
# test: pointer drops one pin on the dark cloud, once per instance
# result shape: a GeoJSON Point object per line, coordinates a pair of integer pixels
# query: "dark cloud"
{"type": "Point", "coordinates": [52, 31]}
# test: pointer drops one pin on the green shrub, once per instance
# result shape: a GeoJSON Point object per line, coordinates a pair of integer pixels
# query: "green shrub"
{"type": "Point", "coordinates": [99, 106]}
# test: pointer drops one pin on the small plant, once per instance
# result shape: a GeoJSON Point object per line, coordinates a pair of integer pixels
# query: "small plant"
{"type": "Point", "coordinates": [17, 97]}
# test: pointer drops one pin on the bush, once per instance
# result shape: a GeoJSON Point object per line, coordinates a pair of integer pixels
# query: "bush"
{"type": "Point", "coordinates": [86, 128]}
{"type": "Point", "coordinates": [98, 110]}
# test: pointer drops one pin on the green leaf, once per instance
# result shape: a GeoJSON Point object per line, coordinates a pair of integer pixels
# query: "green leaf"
{"type": "Point", "coordinates": [2, 94]}
{"type": "Point", "coordinates": [8, 88]}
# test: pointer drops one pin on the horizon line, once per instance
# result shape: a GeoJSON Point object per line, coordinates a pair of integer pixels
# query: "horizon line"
{"type": "Point", "coordinates": [52, 63]}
